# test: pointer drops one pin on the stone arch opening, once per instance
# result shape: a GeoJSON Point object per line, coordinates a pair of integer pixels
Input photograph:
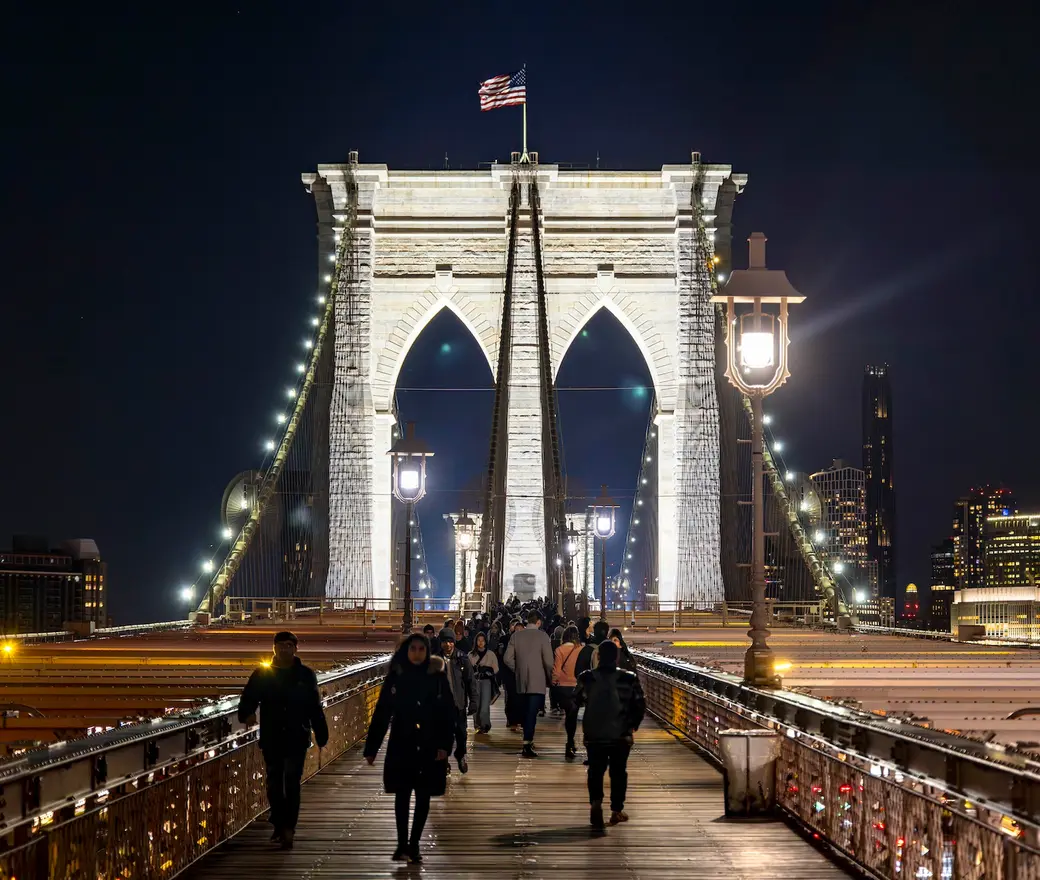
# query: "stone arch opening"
{"type": "Point", "coordinates": [605, 390]}
{"type": "Point", "coordinates": [445, 385]}
{"type": "Point", "coordinates": [625, 310]}
{"type": "Point", "coordinates": [410, 327]}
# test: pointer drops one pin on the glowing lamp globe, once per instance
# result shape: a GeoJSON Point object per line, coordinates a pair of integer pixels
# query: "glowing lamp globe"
{"type": "Point", "coordinates": [409, 456]}
{"type": "Point", "coordinates": [756, 349]}
{"type": "Point", "coordinates": [464, 527]}
{"type": "Point", "coordinates": [603, 516]}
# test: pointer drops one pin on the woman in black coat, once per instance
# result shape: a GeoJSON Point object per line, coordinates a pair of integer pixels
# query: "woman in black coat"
{"type": "Point", "coordinates": [417, 697]}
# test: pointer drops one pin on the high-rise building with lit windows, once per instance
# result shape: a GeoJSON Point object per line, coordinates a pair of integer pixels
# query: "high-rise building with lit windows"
{"type": "Point", "coordinates": [1012, 550]}
{"type": "Point", "coordinates": [43, 588]}
{"type": "Point", "coordinates": [942, 586]}
{"type": "Point", "coordinates": [841, 492]}
{"type": "Point", "coordinates": [877, 474]}
{"type": "Point", "coordinates": [970, 514]}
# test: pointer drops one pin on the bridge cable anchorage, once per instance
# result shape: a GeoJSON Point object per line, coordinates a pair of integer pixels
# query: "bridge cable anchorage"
{"type": "Point", "coordinates": [491, 547]}
{"type": "Point", "coordinates": [552, 465]}
{"type": "Point", "coordinates": [282, 547]}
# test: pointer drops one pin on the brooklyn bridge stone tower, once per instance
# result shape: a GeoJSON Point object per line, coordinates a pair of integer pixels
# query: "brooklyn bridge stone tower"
{"type": "Point", "coordinates": [524, 254]}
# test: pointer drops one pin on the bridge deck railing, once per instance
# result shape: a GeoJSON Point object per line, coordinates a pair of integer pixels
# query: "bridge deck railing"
{"type": "Point", "coordinates": [902, 801]}
{"type": "Point", "coordinates": [148, 799]}
{"type": "Point", "coordinates": [898, 800]}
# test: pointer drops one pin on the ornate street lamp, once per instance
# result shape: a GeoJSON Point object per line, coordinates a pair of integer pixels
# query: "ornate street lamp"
{"type": "Point", "coordinates": [603, 527]}
{"type": "Point", "coordinates": [464, 528]}
{"type": "Point", "coordinates": [409, 485]}
{"type": "Point", "coordinates": [756, 301]}
{"type": "Point", "coordinates": [571, 546]}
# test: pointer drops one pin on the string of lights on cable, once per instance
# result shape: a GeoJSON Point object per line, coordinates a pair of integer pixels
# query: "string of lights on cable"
{"type": "Point", "coordinates": [810, 516]}
{"type": "Point", "coordinates": [274, 446]}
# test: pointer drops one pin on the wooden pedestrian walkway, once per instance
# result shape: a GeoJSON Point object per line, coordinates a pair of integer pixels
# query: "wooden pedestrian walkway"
{"type": "Point", "coordinates": [516, 818]}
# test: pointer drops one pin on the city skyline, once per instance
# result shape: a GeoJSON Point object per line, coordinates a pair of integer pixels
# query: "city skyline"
{"type": "Point", "coordinates": [150, 383]}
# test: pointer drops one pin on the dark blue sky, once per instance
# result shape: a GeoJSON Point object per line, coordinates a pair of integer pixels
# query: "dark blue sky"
{"type": "Point", "coordinates": [159, 245]}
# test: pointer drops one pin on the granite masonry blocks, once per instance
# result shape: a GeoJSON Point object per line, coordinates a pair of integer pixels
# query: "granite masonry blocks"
{"type": "Point", "coordinates": [616, 240]}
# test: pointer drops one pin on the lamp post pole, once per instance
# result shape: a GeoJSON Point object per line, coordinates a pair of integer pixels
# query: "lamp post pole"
{"type": "Point", "coordinates": [603, 517]}
{"type": "Point", "coordinates": [756, 365]}
{"type": "Point", "coordinates": [759, 656]}
{"type": "Point", "coordinates": [406, 626]}
{"type": "Point", "coordinates": [465, 570]}
{"type": "Point", "coordinates": [409, 456]}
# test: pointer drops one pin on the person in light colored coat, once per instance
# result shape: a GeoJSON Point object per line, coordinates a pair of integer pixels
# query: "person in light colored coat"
{"type": "Point", "coordinates": [530, 657]}
{"type": "Point", "coordinates": [485, 670]}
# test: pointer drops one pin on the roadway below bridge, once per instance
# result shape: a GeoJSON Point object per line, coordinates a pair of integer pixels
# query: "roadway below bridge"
{"type": "Point", "coordinates": [961, 687]}
{"type": "Point", "coordinates": [60, 690]}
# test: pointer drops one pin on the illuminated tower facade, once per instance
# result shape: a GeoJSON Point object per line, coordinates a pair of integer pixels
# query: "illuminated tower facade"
{"type": "Point", "coordinates": [877, 472]}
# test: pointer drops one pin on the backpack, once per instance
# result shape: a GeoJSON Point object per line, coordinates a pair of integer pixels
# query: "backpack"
{"type": "Point", "coordinates": [605, 718]}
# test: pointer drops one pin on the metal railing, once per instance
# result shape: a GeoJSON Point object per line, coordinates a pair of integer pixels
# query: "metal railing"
{"type": "Point", "coordinates": [147, 800]}
{"type": "Point", "coordinates": [900, 801]}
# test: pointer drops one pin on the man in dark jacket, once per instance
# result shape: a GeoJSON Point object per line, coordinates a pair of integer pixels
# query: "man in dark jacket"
{"type": "Point", "coordinates": [614, 709]}
{"type": "Point", "coordinates": [599, 635]}
{"type": "Point", "coordinates": [463, 684]}
{"type": "Point", "coordinates": [286, 692]}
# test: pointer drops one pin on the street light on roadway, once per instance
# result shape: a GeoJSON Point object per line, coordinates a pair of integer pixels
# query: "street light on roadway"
{"type": "Point", "coordinates": [756, 301]}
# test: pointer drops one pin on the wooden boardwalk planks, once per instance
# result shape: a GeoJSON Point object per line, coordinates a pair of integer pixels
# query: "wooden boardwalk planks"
{"type": "Point", "coordinates": [510, 817]}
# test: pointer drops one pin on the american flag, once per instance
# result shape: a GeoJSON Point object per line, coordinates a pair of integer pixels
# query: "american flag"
{"type": "Point", "coordinates": [504, 90]}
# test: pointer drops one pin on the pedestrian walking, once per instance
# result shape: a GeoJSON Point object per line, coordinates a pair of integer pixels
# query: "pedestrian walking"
{"type": "Point", "coordinates": [614, 709]}
{"type": "Point", "coordinates": [584, 628]}
{"type": "Point", "coordinates": [564, 680]}
{"type": "Point", "coordinates": [416, 696]}
{"type": "Point", "coordinates": [485, 670]}
{"type": "Point", "coordinates": [286, 693]}
{"type": "Point", "coordinates": [463, 686]}
{"type": "Point", "coordinates": [587, 657]}
{"type": "Point", "coordinates": [554, 643]}
{"type": "Point", "coordinates": [514, 703]}
{"type": "Point", "coordinates": [530, 657]}
{"type": "Point", "coordinates": [626, 660]}
{"type": "Point", "coordinates": [494, 637]}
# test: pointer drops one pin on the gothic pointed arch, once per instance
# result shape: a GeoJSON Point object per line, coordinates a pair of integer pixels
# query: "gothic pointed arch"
{"type": "Point", "coordinates": [625, 308]}
{"type": "Point", "coordinates": [411, 325]}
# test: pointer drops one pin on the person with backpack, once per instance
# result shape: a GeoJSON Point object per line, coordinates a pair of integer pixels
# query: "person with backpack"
{"type": "Point", "coordinates": [564, 680]}
{"type": "Point", "coordinates": [463, 686]}
{"type": "Point", "coordinates": [614, 709]}
{"type": "Point", "coordinates": [586, 659]}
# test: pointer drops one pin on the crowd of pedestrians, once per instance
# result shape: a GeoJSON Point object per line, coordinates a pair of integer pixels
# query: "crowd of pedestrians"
{"type": "Point", "coordinates": [437, 681]}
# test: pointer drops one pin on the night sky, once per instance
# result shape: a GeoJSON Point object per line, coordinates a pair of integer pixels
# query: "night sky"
{"type": "Point", "coordinates": [158, 255]}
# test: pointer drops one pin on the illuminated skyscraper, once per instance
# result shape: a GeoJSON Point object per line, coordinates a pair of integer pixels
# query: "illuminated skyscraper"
{"type": "Point", "coordinates": [877, 472]}
{"type": "Point", "coordinates": [943, 584]}
{"type": "Point", "coordinates": [969, 531]}
{"type": "Point", "coordinates": [911, 602]}
{"type": "Point", "coordinates": [43, 588]}
{"type": "Point", "coordinates": [843, 524]}
{"type": "Point", "coordinates": [1012, 550]}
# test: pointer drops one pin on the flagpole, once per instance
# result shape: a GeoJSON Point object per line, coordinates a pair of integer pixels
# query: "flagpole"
{"type": "Point", "coordinates": [523, 156]}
